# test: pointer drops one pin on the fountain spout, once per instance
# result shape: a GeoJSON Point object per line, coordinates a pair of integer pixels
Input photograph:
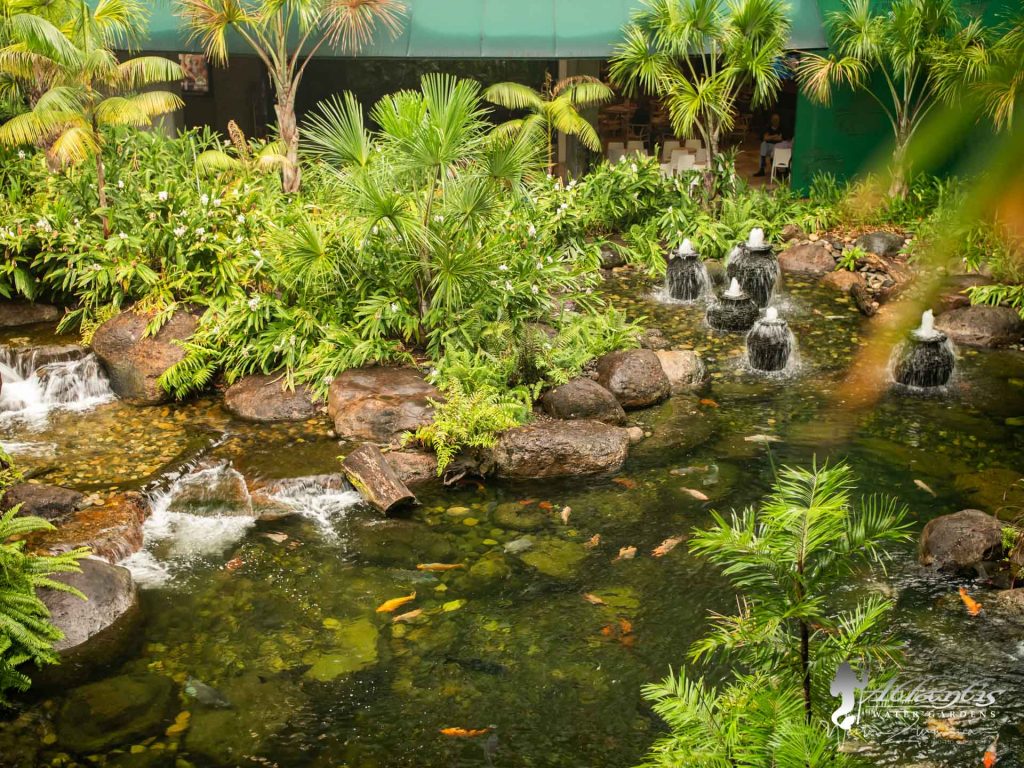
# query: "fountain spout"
{"type": "Point", "coordinates": [927, 329]}
{"type": "Point", "coordinates": [734, 291]}
{"type": "Point", "coordinates": [756, 239]}
{"type": "Point", "coordinates": [686, 249]}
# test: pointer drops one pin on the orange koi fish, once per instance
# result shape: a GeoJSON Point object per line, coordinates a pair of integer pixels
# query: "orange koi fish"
{"type": "Point", "coordinates": [625, 482]}
{"type": "Point", "coordinates": [464, 733]}
{"type": "Point", "coordinates": [973, 606]}
{"type": "Point", "coordinates": [408, 616]}
{"type": "Point", "coordinates": [990, 758]}
{"type": "Point", "coordinates": [435, 567]}
{"type": "Point", "coordinates": [396, 602]}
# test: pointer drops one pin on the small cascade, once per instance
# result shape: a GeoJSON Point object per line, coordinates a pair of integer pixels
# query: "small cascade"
{"type": "Point", "coordinates": [734, 310]}
{"type": "Point", "coordinates": [320, 498]}
{"type": "Point", "coordinates": [37, 380]}
{"type": "Point", "coordinates": [770, 343]}
{"type": "Point", "coordinates": [927, 359]}
{"type": "Point", "coordinates": [686, 278]}
{"type": "Point", "coordinates": [756, 267]}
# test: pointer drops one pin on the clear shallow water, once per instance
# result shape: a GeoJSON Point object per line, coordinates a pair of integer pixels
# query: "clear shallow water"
{"type": "Point", "coordinates": [279, 617]}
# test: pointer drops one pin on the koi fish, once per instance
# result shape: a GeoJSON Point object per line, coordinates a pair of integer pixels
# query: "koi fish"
{"type": "Point", "coordinates": [990, 758]}
{"type": "Point", "coordinates": [667, 546]}
{"type": "Point", "coordinates": [593, 541]}
{"type": "Point", "coordinates": [435, 567]}
{"type": "Point", "coordinates": [626, 553]}
{"type": "Point", "coordinates": [547, 506]}
{"type": "Point", "coordinates": [396, 602]}
{"type": "Point", "coordinates": [564, 514]}
{"type": "Point", "coordinates": [709, 402]}
{"type": "Point", "coordinates": [408, 616]}
{"type": "Point", "coordinates": [626, 626]}
{"type": "Point", "coordinates": [527, 502]}
{"type": "Point", "coordinates": [464, 733]}
{"type": "Point", "coordinates": [924, 487]}
{"type": "Point", "coordinates": [625, 482]}
{"type": "Point", "coordinates": [973, 606]}
{"type": "Point", "coordinates": [594, 599]}
{"type": "Point", "coordinates": [695, 494]}
{"type": "Point", "coordinates": [234, 564]}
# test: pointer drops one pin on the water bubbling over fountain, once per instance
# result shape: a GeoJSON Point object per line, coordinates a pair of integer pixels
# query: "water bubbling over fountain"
{"type": "Point", "coordinates": [38, 380]}
{"type": "Point", "coordinates": [926, 359]}
{"type": "Point", "coordinates": [734, 310]}
{"type": "Point", "coordinates": [770, 343]}
{"type": "Point", "coordinates": [755, 265]}
{"type": "Point", "coordinates": [686, 278]}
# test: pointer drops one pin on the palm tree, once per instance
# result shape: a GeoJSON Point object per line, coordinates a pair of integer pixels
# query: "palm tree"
{"type": "Point", "coordinates": [900, 41]}
{"type": "Point", "coordinates": [554, 108]}
{"type": "Point", "coordinates": [697, 57]}
{"type": "Point", "coordinates": [285, 35]}
{"type": "Point", "coordinates": [84, 88]}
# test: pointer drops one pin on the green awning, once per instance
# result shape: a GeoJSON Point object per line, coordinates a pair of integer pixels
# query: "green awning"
{"type": "Point", "coordinates": [500, 29]}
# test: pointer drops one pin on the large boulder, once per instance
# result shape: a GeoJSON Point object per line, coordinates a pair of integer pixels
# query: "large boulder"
{"type": "Point", "coordinates": [114, 712]}
{"type": "Point", "coordinates": [560, 449]}
{"type": "Point", "coordinates": [685, 370]}
{"type": "Point", "coordinates": [265, 398]}
{"type": "Point", "coordinates": [46, 501]}
{"type": "Point", "coordinates": [634, 376]}
{"type": "Point", "coordinates": [97, 629]}
{"type": "Point", "coordinates": [807, 258]}
{"type": "Point", "coordinates": [133, 361]}
{"type": "Point", "coordinates": [413, 467]}
{"type": "Point", "coordinates": [583, 399]}
{"type": "Point", "coordinates": [885, 244]}
{"type": "Point", "coordinates": [962, 541]}
{"type": "Point", "coordinates": [843, 280]}
{"type": "Point", "coordinates": [15, 313]}
{"type": "Point", "coordinates": [954, 290]}
{"type": "Point", "coordinates": [113, 530]}
{"type": "Point", "coordinates": [380, 404]}
{"type": "Point", "coordinates": [981, 325]}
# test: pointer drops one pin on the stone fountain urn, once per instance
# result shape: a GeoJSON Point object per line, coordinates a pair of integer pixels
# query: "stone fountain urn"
{"type": "Point", "coordinates": [926, 359]}
{"type": "Point", "coordinates": [755, 265]}
{"type": "Point", "coordinates": [734, 310]}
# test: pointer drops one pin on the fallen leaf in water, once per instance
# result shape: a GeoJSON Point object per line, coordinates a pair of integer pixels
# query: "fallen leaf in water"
{"type": "Point", "coordinates": [594, 599]}
{"type": "Point", "coordinates": [626, 626]}
{"type": "Point", "coordinates": [667, 546]}
{"type": "Point", "coordinates": [547, 506]}
{"type": "Point", "coordinates": [527, 502]}
{"type": "Point", "coordinates": [709, 402]}
{"type": "Point", "coordinates": [762, 439]}
{"type": "Point", "coordinates": [626, 553]}
{"type": "Point", "coordinates": [973, 606]}
{"type": "Point", "coordinates": [944, 729]}
{"type": "Point", "coordinates": [564, 514]}
{"type": "Point", "coordinates": [627, 640]}
{"type": "Point", "coordinates": [234, 564]}
{"type": "Point", "coordinates": [408, 616]}
{"type": "Point", "coordinates": [924, 487]}
{"type": "Point", "coordinates": [625, 482]}
{"type": "Point", "coordinates": [464, 733]}
{"type": "Point", "coordinates": [435, 567]}
{"type": "Point", "coordinates": [593, 541]}
{"type": "Point", "coordinates": [277, 537]}
{"type": "Point", "coordinates": [396, 602]}
{"type": "Point", "coordinates": [695, 493]}
{"type": "Point", "coordinates": [607, 630]}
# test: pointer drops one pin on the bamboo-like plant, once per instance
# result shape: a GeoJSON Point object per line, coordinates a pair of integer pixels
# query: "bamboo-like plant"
{"type": "Point", "coordinates": [554, 108]}
{"type": "Point", "coordinates": [87, 89]}
{"type": "Point", "coordinates": [286, 35]}
{"type": "Point", "coordinates": [697, 57]}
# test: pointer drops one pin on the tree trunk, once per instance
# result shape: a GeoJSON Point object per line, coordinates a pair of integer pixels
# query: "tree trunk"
{"type": "Point", "coordinates": [287, 125]}
{"type": "Point", "coordinates": [368, 470]}
{"type": "Point", "coordinates": [898, 186]}
{"type": "Point", "coordinates": [805, 663]}
{"type": "Point", "coordinates": [101, 188]}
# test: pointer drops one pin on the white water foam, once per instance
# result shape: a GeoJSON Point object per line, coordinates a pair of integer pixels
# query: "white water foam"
{"type": "Point", "coordinates": [31, 391]}
{"type": "Point", "coordinates": [316, 500]}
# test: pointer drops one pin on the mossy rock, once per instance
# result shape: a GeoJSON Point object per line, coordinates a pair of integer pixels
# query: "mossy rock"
{"type": "Point", "coordinates": [997, 491]}
{"type": "Point", "coordinates": [513, 516]}
{"type": "Point", "coordinates": [146, 758]}
{"type": "Point", "coordinates": [486, 575]}
{"type": "Point", "coordinates": [401, 543]}
{"type": "Point", "coordinates": [354, 647]}
{"type": "Point", "coordinates": [555, 558]}
{"type": "Point", "coordinates": [115, 712]}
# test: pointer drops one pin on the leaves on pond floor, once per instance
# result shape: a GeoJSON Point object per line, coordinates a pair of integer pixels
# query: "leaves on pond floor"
{"type": "Point", "coordinates": [667, 546]}
{"type": "Point", "coordinates": [593, 541]}
{"type": "Point", "coordinates": [626, 553]}
{"type": "Point", "coordinates": [625, 482]}
{"type": "Point", "coordinates": [593, 599]}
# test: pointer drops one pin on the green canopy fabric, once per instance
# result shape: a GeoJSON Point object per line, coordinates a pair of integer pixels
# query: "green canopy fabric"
{"type": "Point", "coordinates": [500, 29]}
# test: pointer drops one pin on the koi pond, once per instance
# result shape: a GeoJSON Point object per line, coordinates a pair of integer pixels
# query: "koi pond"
{"type": "Point", "coordinates": [261, 643]}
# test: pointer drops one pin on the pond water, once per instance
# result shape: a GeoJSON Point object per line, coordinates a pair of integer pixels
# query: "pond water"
{"type": "Point", "coordinates": [268, 631]}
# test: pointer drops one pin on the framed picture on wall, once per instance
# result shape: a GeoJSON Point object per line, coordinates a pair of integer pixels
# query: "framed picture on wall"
{"type": "Point", "coordinates": [196, 80]}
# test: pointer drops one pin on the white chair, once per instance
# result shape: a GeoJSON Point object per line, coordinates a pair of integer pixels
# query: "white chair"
{"type": "Point", "coordinates": [702, 156]}
{"type": "Point", "coordinates": [683, 161]}
{"type": "Point", "coordinates": [694, 144]}
{"type": "Point", "coordinates": [616, 149]}
{"type": "Point", "coordinates": [636, 148]}
{"type": "Point", "coordinates": [670, 146]}
{"type": "Point", "coordinates": [670, 168]}
{"type": "Point", "coordinates": [781, 158]}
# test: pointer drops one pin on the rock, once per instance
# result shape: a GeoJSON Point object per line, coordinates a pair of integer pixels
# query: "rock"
{"type": "Point", "coordinates": [961, 541]}
{"type": "Point", "coordinates": [982, 326]}
{"type": "Point", "coordinates": [954, 289]}
{"type": "Point", "coordinates": [46, 354]}
{"type": "Point", "coordinates": [561, 449]}
{"type": "Point", "coordinates": [135, 362]}
{"type": "Point", "coordinates": [583, 399]}
{"type": "Point", "coordinates": [263, 398]}
{"type": "Point", "coordinates": [380, 404]}
{"type": "Point", "coordinates": [114, 712]}
{"type": "Point", "coordinates": [885, 244]}
{"type": "Point", "coordinates": [46, 501]}
{"type": "Point", "coordinates": [634, 376]}
{"type": "Point", "coordinates": [807, 258]}
{"type": "Point", "coordinates": [653, 338]}
{"type": "Point", "coordinates": [353, 646]}
{"type": "Point", "coordinates": [99, 628]}
{"type": "Point", "coordinates": [113, 530]}
{"type": "Point", "coordinates": [684, 369]}
{"type": "Point", "coordinates": [486, 575]}
{"type": "Point", "coordinates": [636, 434]}
{"type": "Point", "coordinates": [15, 313]}
{"type": "Point", "coordinates": [555, 558]}
{"type": "Point", "coordinates": [996, 490]}
{"type": "Point", "coordinates": [1010, 601]}
{"type": "Point", "coordinates": [862, 298]}
{"type": "Point", "coordinates": [413, 467]}
{"type": "Point", "coordinates": [611, 257]}
{"type": "Point", "coordinates": [400, 543]}
{"type": "Point", "coordinates": [513, 516]}
{"type": "Point", "coordinates": [843, 280]}
{"type": "Point", "coordinates": [212, 488]}
{"type": "Point", "coordinates": [792, 232]}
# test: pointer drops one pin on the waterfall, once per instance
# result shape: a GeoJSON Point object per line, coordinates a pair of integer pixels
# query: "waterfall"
{"type": "Point", "coordinates": [37, 380]}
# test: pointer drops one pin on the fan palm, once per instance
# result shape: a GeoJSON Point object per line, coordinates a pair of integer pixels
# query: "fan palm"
{"type": "Point", "coordinates": [917, 48]}
{"type": "Point", "coordinates": [697, 57]}
{"type": "Point", "coordinates": [286, 35]}
{"type": "Point", "coordinates": [554, 108]}
{"type": "Point", "coordinates": [87, 89]}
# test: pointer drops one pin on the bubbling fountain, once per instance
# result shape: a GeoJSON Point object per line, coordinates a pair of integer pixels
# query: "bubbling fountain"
{"type": "Point", "coordinates": [770, 343]}
{"type": "Point", "coordinates": [734, 310]}
{"type": "Point", "coordinates": [756, 267]}
{"type": "Point", "coordinates": [926, 359]}
{"type": "Point", "coordinates": [687, 276]}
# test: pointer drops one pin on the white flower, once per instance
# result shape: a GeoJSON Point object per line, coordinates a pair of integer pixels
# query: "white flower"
{"type": "Point", "coordinates": [122, 235]}
{"type": "Point", "coordinates": [238, 239]}
{"type": "Point", "coordinates": [534, 289]}
{"type": "Point", "coordinates": [204, 199]}
{"type": "Point", "coordinates": [120, 184]}
{"type": "Point", "coordinates": [96, 267]}
{"type": "Point", "coordinates": [563, 207]}
{"type": "Point", "coordinates": [21, 154]}
{"type": "Point", "coordinates": [162, 196]}
{"type": "Point", "coordinates": [439, 218]}
{"type": "Point", "coordinates": [200, 231]}
{"type": "Point", "coordinates": [217, 202]}
{"type": "Point", "coordinates": [508, 285]}
{"type": "Point", "coordinates": [571, 184]}
{"type": "Point", "coordinates": [589, 291]}
{"type": "Point", "coordinates": [540, 263]}
{"type": "Point", "coordinates": [240, 218]}
{"type": "Point", "coordinates": [632, 167]}
{"type": "Point", "coordinates": [622, 159]}
{"type": "Point", "coordinates": [44, 225]}
{"type": "Point", "coordinates": [179, 231]}
{"type": "Point", "coordinates": [393, 307]}
{"type": "Point", "coordinates": [532, 231]}
{"type": "Point", "coordinates": [374, 230]}
{"type": "Point", "coordinates": [256, 252]}
{"type": "Point", "coordinates": [254, 303]}
{"type": "Point", "coordinates": [503, 268]}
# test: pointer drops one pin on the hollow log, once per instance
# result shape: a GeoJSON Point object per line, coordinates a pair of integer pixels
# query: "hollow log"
{"type": "Point", "coordinates": [863, 300]}
{"type": "Point", "coordinates": [371, 475]}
